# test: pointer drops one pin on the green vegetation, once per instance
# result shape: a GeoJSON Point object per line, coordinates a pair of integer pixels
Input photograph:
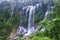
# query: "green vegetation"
{"type": "Point", "coordinates": [6, 24]}
{"type": "Point", "coordinates": [52, 24]}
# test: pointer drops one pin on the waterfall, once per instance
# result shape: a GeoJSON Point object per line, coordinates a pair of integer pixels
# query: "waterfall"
{"type": "Point", "coordinates": [30, 20]}
{"type": "Point", "coordinates": [27, 27]}
{"type": "Point", "coordinates": [46, 16]}
{"type": "Point", "coordinates": [31, 16]}
{"type": "Point", "coordinates": [29, 10]}
{"type": "Point", "coordinates": [48, 10]}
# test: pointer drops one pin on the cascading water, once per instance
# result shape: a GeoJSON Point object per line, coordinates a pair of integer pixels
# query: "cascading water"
{"type": "Point", "coordinates": [30, 20]}
{"type": "Point", "coordinates": [48, 10]}
{"type": "Point", "coordinates": [21, 30]}
{"type": "Point", "coordinates": [46, 14]}
{"type": "Point", "coordinates": [28, 26]}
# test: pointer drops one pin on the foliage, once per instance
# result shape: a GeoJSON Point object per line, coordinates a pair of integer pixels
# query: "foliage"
{"type": "Point", "coordinates": [6, 24]}
{"type": "Point", "coordinates": [52, 25]}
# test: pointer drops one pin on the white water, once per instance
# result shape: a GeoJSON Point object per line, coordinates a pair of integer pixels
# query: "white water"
{"type": "Point", "coordinates": [47, 12]}
{"type": "Point", "coordinates": [31, 29]}
{"type": "Point", "coordinates": [31, 13]}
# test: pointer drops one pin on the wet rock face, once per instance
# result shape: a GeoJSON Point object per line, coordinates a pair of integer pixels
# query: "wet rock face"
{"type": "Point", "coordinates": [31, 14]}
{"type": "Point", "coordinates": [40, 10]}
{"type": "Point", "coordinates": [28, 11]}
{"type": "Point", "coordinates": [22, 3]}
{"type": "Point", "coordinates": [27, 16]}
